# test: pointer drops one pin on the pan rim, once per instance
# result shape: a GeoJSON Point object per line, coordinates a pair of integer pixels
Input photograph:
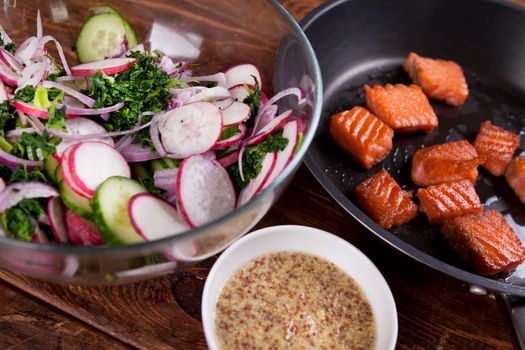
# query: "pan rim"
{"type": "Point", "coordinates": [385, 235]}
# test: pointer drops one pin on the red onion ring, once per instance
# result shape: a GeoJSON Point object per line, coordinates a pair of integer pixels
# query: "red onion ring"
{"type": "Point", "coordinates": [88, 101]}
{"type": "Point", "coordinates": [18, 191]}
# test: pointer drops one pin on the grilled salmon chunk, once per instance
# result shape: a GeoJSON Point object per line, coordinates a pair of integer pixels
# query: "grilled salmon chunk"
{"type": "Point", "coordinates": [497, 146]}
{"type": "Point", "coordinates": [384, 200]}
{"type": "Point", "coordinates": [485, 241]}
{"type": "Point", "coordinates": [403, 108]}
{"type": "Point", "coordinates": [366, 138]}
{"type": "Point", "coordinates": [448, 200]}
{"type": "Point", "coordinates": [447, 162]}
{"type": "Point", "coordinates": [515, 176]}
{"type": "Point", "coordinates": [440, 80]}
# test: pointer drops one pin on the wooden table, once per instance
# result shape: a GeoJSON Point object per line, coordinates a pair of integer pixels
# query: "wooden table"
{"type": "Point", "coordinates": [434, 310]}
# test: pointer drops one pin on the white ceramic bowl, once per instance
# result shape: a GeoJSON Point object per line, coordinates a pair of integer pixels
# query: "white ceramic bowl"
{"type": "Point", "coordinates": [312, 241]}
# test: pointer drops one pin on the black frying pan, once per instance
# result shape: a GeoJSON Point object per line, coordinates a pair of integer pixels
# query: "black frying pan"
{"type": "Point", "coordinates": [365, 41]}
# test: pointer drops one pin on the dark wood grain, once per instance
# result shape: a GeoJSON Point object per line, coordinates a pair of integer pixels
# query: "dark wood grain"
{"type": "Point", "coordinates": [434, 310]}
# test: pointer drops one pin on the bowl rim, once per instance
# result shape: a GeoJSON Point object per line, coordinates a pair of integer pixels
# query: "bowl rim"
{"type": "Point", "coordinates": [274, 233]}
{"type": "Point", "coordinates": [288, 170]}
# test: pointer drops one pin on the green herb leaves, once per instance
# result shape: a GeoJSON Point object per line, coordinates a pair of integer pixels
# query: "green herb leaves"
{"type": "Point", "coordinates": [253, 157]}
{"type": "Point", "coordinates": [143, 87]}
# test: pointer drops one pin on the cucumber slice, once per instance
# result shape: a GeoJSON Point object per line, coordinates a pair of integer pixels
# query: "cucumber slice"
{"type": "Point", "coordinates": [164, 163]}
{"type": "Point", "coordinates": [79, 204]}
{"type": "Point", "coordinates": [110, 207]}
{"type": "Point", "coordinates": [100, 37]}
{"type": "Point", "coordinates": [50, 167]}
{"type": "Point", "coordinates": [130, 33]}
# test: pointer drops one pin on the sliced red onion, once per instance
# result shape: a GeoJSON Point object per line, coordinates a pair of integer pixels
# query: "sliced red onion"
{"type": "Point", "coordinates": [2, 184]}
{"type": "Point", "coordinates": [27, 49]}
{"type": "Point", "coordinates": [301, 96]}
{"type": "Point", "coordinates": [137, 48]}
{"type": "Point", "coordinates": [155, 139]}
{"type": "Point", "coordinates": [39, 236]}
{"type": "Point", "coordinates": [93, 111]}
{"type": "Point", "coordinates": [22, 116]}
{"type": "Point", "coordinates": [33, 74]}
{"type": "Point", "coordinates": [239, 162]}
{"type": "Point", "coordinates": [7, 76]}
{"type": "Point", "coordinates": [11, 60]}
{"type": "Point", "coordinates": [5, 38]}
{"type": "Point", "coordinates": [88, 101]}
{"type": "Point", "coordinates": [48, 38]}
{"type": "Point", "coordinates": [4, 96]}
{"type": "Point", "coordinates": [36, 124]}
{"type": "Point", "coordinates": [210, 94]}
{"type": "Point", "coordinates": [136, 153]}
{"type": "Point", "coordinates": [179, 68]}
{"type": "Point", "coordinates": [105, 116]}
{"type": "Point", "coordinates": [15, 133]}
{"type": "Point", "coordinates": [128, 139]}
{"type": "Point", "coordinates": [39, 30]}
{"type": "Point", "coordinates": [219, 78]}
{"type": "Point", "coordinates": [166, 179]}
{"type": "Point", "coordinates": [264, 118]}
{"type": "Point", "coordinates": [18, 191]}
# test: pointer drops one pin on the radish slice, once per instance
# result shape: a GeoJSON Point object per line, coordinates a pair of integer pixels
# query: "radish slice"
{"type": "Point", "coordinates": [66, 173]}
{"type": "Point", "coordinates": [153, 218]}
{"type": "Point", "coordinates": [205, 191]}
{"type": "Point", "coordinates": [107, 66]}
{"type": "Point", "coordinates": [291, 132]}
{"type": "Point", "coordinates": [29, 108]}
{"type": "Point", "coordinates": [229, 159]}
{"type": "Point", "coordinates": [82, 126]}
{"type": "Point", "coordinates": [221, 144]}
{"type": "Point", "coordinates": [3, 92]}
{"type": "Point", "coordinates": [223, 104]}
{"type": "Point", "coordinates": [242, 74]}
{"type": "Point", "coordinates": [191, 129]}
{"type": "Point", "coordinates": [92, 162]}
{"type": "Point", "coordinates": [239, 93]}
{"type": "Point", "coordinates": [82, 232]}
{"type": "Point", "coordinates": [270, 128]}
{"type": "Point", "coordinates": [257, 183]}
{"type": "Point", "coordinates": [57, 219]}
{"type": "Point", "coordinates": [236, 113]}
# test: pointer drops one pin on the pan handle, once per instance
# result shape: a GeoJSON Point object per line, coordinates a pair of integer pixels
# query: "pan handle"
{"type": "Point", "coordinates": [515, 310]}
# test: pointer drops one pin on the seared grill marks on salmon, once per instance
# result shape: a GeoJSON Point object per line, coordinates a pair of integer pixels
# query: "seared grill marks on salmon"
{"type": "Point", "coordinates": [403, 108]}
{"type": "Point", "coordinates": [381, 198]}
{"type": "Point", "coordinates": [449, 200]}
{"type": "Point", "coordinates": [485, 241]}
{"type": "Point", "coordinates": [441, 80]}
{"type": "Point", "coordinates": [448, 162]}
{"type": "Point", "coordinates": [497, 146]}
{"type": "Point", "coordinates": [366, 138]}
{"type": "Point", "coordinates": [515, 176]}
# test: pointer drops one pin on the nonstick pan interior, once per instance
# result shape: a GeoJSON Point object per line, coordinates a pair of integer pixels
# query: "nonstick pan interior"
{"type": "Point", "coordinates": [365, 41]}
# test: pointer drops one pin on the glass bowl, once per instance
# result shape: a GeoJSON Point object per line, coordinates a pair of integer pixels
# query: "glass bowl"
{"type": "Point", "coordinates": [221, 34]}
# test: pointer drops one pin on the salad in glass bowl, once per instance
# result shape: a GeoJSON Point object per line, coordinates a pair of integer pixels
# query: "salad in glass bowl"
{"type": "Point", "coordinates": [136, 142]}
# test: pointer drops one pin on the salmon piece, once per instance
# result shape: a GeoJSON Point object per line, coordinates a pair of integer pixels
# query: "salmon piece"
{"type": "Point", "coordinates": [366, 138]}
{"type": "Point", "coordinates": [440, 80]}
{"type": "Point", "coordinates": [381, 198]}
{"type": "Point", "coordinates": [497, 146]}
{"type": "Point", "coordinates": [447, 162]}
{"type": "Point", "coordinates": [515, 176]}
{"type": "Point", "coordinates": [485, 241]}
{"type": "Point", "coordinates": [448, 200]}
{"type": "Point", "coordinates": [403, 108]}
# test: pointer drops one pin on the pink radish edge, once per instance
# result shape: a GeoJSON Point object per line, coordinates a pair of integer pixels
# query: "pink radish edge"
{"type": "Point", "coordinates": [57, 220]}
{"type": "Point", "coordinates": [107, 66]}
